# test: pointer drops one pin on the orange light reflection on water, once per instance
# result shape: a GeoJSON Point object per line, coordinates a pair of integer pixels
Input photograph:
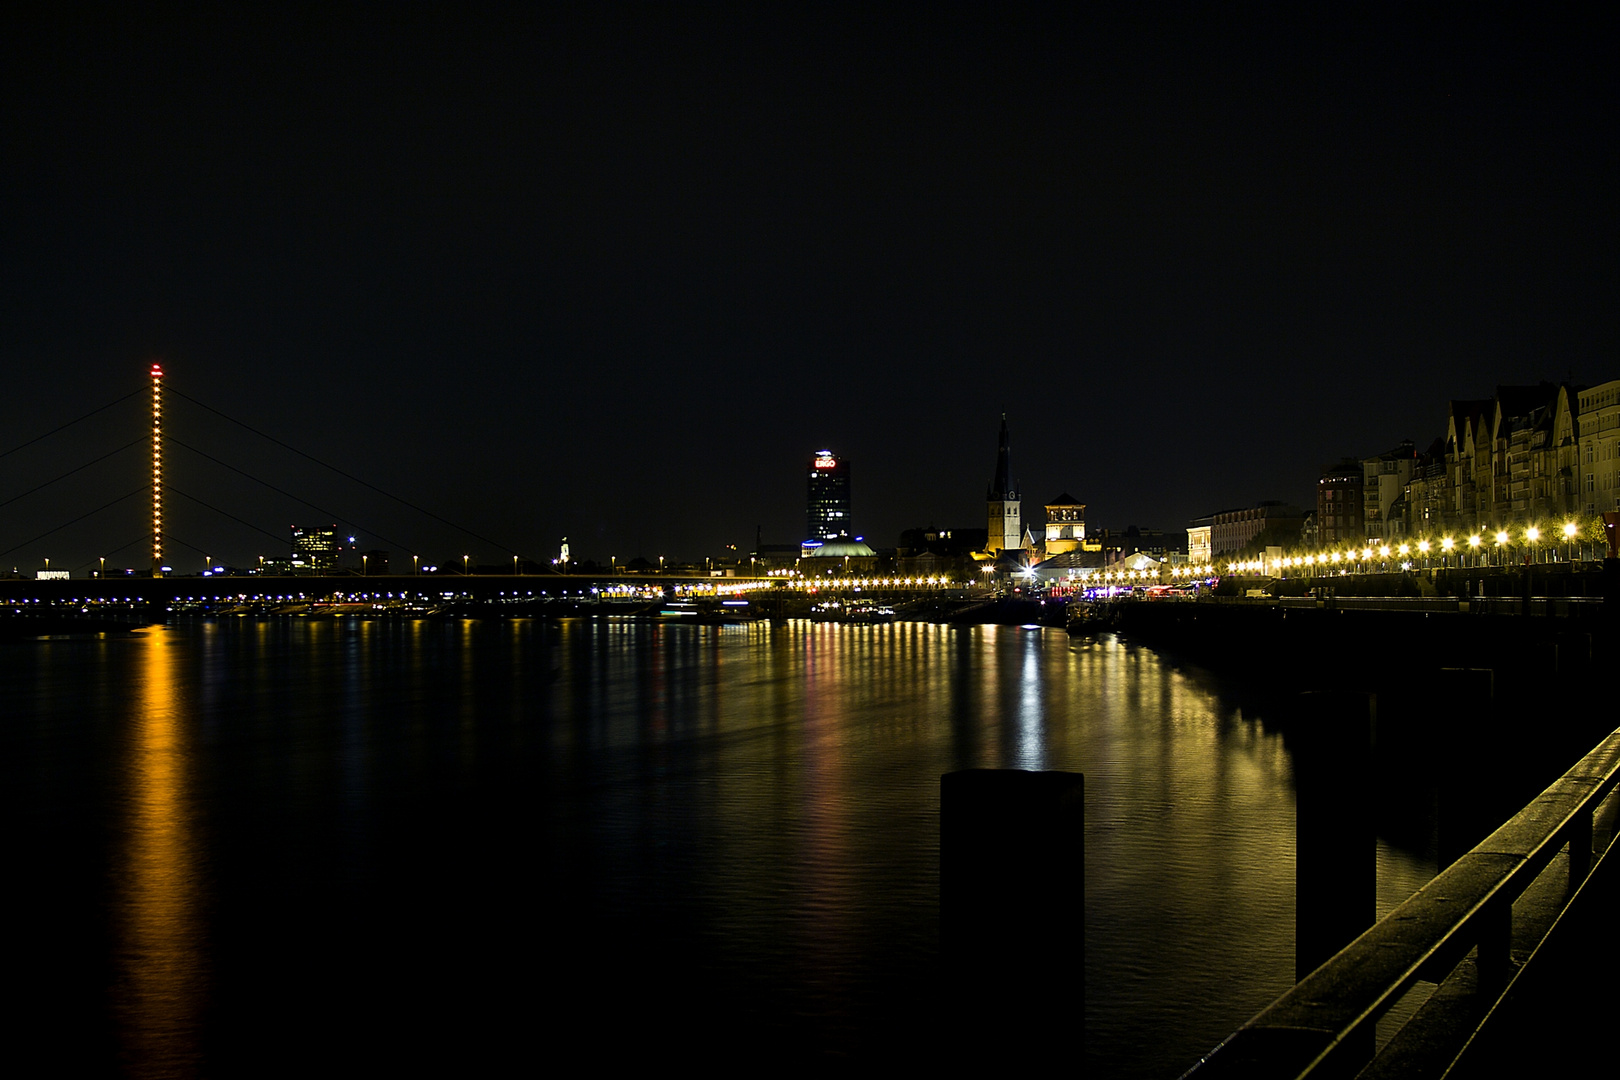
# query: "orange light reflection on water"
{"type": "Point", "coordinates": [161, 966]}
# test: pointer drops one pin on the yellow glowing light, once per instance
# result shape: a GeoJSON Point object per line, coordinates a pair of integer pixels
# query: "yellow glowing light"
{"type": "Point", "coordinates": [1502, 536]}
{"type": "Point", "coordinates": [1569, 530]}
{"type": "Point", "coordinates": [1473, 541]}
{"type": "Point", "coordinates": [1423, 546]}
{"type": "Point", "coordinates": [1532, 534]}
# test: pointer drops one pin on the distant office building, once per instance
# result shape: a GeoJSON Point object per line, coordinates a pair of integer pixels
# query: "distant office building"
{"type": "Point", "coordinates": [827, 511]}
{"type": "Point", "coordinates": [315, 549]}
{"type": "Point", "coordinates": [1005, 518]}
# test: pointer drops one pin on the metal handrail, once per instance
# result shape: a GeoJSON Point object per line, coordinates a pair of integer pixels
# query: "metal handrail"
{"type": "Point", "coordinates": [1325, 1023]}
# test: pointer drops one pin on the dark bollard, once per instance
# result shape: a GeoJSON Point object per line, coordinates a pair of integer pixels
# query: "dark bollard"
{"type": "Point", "coordinates": [1012, 914]}
{"type": "Point", "coordinates": [1335, 839]}
{"type": "Point", "coordinates": [1611, 565]}
{"type": "Point", "coordinates": [1465, 707]}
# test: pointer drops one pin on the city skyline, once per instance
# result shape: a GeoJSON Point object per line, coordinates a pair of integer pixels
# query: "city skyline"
{"type": "Point", "coordinates": [609, 276]}
{"type": "Point", "coordinates": [828, 498]}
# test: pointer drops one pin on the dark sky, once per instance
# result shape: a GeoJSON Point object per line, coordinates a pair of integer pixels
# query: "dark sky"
{"type": "Point", "coordinates": [615, 273]}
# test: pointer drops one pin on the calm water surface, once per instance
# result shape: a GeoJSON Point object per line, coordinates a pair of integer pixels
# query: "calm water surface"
{"type": "Point", "coordinates": [249, 846]}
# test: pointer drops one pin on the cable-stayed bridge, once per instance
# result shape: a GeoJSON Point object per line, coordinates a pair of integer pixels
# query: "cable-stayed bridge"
{"type": "Point", "coordinates": [109, 503]}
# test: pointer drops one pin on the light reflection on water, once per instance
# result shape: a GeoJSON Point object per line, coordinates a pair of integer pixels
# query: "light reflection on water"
{"type": "Point", "coordinates": [161, 959]}
{"type": "Point", "coordinates": [728, 833]}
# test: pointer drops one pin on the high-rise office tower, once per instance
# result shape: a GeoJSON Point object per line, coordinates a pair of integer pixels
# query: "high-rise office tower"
{"type": "Point", "coordinates": [827, 513]}
{"type": "Point", "coordinates": [314, 548]}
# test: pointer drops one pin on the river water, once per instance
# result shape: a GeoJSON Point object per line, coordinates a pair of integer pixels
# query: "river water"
{"type": "Point", "coordinates": [249, 846]}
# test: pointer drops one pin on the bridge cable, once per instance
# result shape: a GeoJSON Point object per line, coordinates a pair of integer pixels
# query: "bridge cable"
{"type": "Point", "coordinates": [75, 521]}
{"type": "Point", "coordinates": [116, 550]}
{"type": "Point", "coordinates": [444, 521]}
{"type": "Point", "coordinates": [70, 423]}
{"type": "Point", "coordinates": [279, 491]}
{"type": "Point", "coordinates": [70, 472]}
{"type": "Point", "coordinates": [222, 513]}
{"type": "Point", "coordinates": [173, 539]}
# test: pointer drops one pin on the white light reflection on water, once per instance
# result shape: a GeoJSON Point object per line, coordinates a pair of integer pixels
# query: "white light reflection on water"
{"type": "Point", "coordinates": [1031, 754]}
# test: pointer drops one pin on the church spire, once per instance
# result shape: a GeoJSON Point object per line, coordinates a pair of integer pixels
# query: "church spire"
{"type": "Point", "coordinates": [1005, 519]}
{"type": "Point", "coordinates": [1002, 486]}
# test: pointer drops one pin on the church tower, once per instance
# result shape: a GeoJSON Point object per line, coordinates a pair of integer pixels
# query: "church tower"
{"type": "Point", "coordinates": [1006, 518]}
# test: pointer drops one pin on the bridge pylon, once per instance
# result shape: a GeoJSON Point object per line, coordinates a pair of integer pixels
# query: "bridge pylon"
{"type": "Point", "coordinates": [157, 470]}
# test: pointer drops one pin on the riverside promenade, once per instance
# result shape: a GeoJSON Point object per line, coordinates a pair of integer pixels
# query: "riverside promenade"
{"type": "Point", "coordinates": [1511, 702]}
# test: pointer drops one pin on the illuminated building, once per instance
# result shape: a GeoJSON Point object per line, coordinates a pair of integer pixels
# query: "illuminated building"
{"type": "Point", "coordinates": [314, 549]}
{"type": "Point", "coordinates": [1200, 540]}
{"type": "Point", "coordinates": [1065, 524]}
{"type": "Point", "coordinates": [1383, 492]}
{"type": "Point", "coordinates": [1599, 448]}
{"type": "Point", "coordinates": [834, 557]}
{"type": "Point", "coordinates": [827, 511]}
{"type": "Point", "coordinates": [1005, 514]}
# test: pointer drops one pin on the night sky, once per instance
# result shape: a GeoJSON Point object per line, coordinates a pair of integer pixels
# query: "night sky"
{"type": "Point", "coordinates": [615, 273]}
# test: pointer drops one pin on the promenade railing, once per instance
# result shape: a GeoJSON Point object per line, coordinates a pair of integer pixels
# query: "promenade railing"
{"type": "Point", "coordinates": [1461, 931]}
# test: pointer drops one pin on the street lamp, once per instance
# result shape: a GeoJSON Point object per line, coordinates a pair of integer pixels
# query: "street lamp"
{"type": "Point", "coordinates": [1532, 534]}
{"type": "Point", "coordinates": [1569, 536]}
{"type": "Point", "coordinates": [466, 565]}
{"type": "Point", "coordinates": [1473, 542]}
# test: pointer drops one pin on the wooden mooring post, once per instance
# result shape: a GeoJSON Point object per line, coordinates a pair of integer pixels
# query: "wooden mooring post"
{"type": "Point", "coordinates": [1335, 838]}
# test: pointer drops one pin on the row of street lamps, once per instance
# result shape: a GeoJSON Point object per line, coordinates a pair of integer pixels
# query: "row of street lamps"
{"type": "Point", "coordinates": [1424, 550]}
